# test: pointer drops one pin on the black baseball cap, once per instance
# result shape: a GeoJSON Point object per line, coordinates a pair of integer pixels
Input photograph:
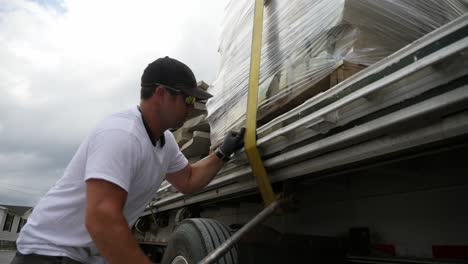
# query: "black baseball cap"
{"type": "Point", "coordinates": [175, 74]}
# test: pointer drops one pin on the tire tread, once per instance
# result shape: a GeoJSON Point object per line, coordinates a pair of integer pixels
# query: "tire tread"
{"type": "Point", "coordinates": [211, 234]}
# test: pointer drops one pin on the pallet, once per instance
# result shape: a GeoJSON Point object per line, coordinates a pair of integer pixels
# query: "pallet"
{"type": "Point", "coordinates": [296, 98]}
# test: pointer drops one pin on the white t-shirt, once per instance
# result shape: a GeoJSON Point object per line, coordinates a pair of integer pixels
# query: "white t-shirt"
{"type": "Point", "coordinates": [120, 151]}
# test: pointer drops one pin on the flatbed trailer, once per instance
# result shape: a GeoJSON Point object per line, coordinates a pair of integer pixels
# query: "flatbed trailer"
{"type": "Point", "coordinates": [376, 170]}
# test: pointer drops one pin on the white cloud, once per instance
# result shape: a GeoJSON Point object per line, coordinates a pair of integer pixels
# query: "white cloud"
{"type": "Point", "coordinates": [64, 68]}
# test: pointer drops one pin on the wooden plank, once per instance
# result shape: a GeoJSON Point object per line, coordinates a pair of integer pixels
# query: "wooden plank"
{"type": "Point", "coordinates": [185, 133]}
{"type": "Point", "coordinates": [198, 109]}
{"type": "Point", "coordinates": [346, 70]}
{"type": "Point", "coordinates": [203, 85]}
{"type": "Point", "coordinates": [199, 145]}
{"type": "Point", "coordinates": [182, 136]}
{"type": "Point", "coordinates": [199, 123]}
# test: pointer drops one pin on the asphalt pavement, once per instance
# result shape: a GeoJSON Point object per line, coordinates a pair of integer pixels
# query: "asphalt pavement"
{"type": "Point", "coordinates": [6, 256]}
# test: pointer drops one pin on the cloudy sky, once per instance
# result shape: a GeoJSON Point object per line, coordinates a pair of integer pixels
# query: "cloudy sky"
{"type": "Point", "coordinates": [64, 65]}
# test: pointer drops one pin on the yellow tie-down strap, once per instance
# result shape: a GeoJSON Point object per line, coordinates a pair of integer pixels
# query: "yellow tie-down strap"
{"type": "Point", "coordinates": [250, 144]}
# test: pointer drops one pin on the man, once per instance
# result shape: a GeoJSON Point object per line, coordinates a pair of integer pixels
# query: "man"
{"type": "Point", "coordinates": [87, 215]}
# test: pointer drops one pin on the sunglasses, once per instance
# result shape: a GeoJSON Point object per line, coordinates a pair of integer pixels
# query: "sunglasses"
{"type": "Point", "coordinates": [189, 99]}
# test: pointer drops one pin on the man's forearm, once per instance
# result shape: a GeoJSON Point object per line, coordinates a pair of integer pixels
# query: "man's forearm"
{"type": "Point", "coordinates": [203, 172]}
{"type": "Point", "coordinates": [114, 239]}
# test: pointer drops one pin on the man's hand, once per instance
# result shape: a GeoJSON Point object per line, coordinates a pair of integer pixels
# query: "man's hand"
{"type": "Point", "coordinates": [233, 141]}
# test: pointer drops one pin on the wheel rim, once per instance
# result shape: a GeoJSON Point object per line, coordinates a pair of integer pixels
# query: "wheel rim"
{"type": "Point", "coordinates": [179, 260]}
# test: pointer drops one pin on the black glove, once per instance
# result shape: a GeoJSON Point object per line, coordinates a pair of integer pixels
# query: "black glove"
{"type": "Point", "coordinates": [233, 141]}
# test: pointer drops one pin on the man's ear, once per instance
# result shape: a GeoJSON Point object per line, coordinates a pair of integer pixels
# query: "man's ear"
{"type": "Point", "coordinates": [160, 91]}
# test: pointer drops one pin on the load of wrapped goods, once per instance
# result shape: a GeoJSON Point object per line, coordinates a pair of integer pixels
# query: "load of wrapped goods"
{"type": "Point", "coordinates": [308, 47]}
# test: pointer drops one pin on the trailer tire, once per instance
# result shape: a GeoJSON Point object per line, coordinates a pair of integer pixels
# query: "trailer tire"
{"type": "Point", "coordinates": [196, 237]}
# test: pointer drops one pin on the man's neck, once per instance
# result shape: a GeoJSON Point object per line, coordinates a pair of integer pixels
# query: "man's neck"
{"type": "Point", "coordinates": [149, 116]}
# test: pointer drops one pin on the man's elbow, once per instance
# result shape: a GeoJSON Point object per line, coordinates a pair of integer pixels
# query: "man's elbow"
{"type": "Point", "coordinates": [91, 224]}
{"type": "Point", "coordinates": [186, 190]}
{"type": "Point", "coordinates": [95, 221]}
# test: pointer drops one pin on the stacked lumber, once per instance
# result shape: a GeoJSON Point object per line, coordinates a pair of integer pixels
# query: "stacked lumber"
{"type": "Point", "coordinates": [193, 137]}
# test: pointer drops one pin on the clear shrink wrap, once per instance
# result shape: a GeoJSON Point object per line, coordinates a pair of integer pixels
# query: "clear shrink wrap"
{"type": "Point", "coordinates": [310, 45]}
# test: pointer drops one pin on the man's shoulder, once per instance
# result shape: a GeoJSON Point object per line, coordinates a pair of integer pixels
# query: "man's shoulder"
{"type": "Point", "coordinates": [126, 121]}
{"type": "Point", "coordinates": [169, 138]}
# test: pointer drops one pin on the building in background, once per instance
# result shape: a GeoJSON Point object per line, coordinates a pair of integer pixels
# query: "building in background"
{"type": "Point", "coordinates": [12, 219]}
